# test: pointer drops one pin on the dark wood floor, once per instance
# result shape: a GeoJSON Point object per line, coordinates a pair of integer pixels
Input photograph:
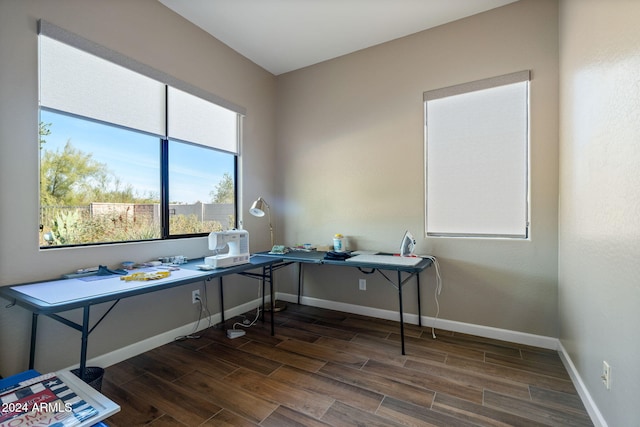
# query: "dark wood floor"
{"type": "Point", "coordinates": [325, 367]}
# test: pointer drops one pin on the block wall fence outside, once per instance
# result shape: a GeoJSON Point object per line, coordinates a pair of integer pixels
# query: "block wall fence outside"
{"type": "Point", "coordinates": [220, 212]}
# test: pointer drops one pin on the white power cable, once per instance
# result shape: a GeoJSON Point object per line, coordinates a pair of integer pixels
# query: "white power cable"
{"type": "Point", "coordinates": [437, 291]}
{"type": "Point", "coordinates": [253, 322]}
{"type": "Point", "coordinates": [203, 308]}
{"type": "Point", "coordinates": [195, 327]}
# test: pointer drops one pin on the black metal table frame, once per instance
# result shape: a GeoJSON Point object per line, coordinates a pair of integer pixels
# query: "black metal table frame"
{"type": "Point", "coordinates": [317, 258]}
{"type": "Point", "coordinates": [38, 307]}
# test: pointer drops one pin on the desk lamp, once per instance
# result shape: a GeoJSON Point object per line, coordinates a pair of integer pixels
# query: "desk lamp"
{"type": "Point", "coordinates": [257, 209]}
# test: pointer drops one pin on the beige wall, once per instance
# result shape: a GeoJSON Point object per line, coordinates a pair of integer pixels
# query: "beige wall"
{"type": "Point", "coordinates": [348, 158]}
{"type": "Point", "coordinates": [599, 271]}
{"type": "Point", "coordinates": [150, 33]}
{"type": "Point", "coordinates": [351, 161]}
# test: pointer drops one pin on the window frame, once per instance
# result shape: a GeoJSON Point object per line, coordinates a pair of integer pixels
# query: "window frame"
{"type": "Point", "coordinates": [61, 35]}
{"type": "Point", "coordinates": [475, 87]}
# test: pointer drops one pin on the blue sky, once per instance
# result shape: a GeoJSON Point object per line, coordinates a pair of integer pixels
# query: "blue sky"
{"type": "Point", "coordinates": [135, 157]}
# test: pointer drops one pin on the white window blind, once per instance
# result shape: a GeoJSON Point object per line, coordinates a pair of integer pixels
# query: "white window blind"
{"type": "Point", "coordinates": [194, 119]}
{"type": "Point", "coordinates": [108, 86]}
{"type": "Point", "coordinates": [477, 158]}
{"type": "Point", "coordinates": [79, 83]}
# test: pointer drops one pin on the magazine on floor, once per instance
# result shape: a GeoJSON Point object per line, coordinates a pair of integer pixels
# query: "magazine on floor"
{"type": "Point", "coordinates": [43, 400]}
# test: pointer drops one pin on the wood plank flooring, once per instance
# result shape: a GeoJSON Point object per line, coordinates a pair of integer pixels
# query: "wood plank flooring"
{"type": "Point", "coordinates": [328, 368]}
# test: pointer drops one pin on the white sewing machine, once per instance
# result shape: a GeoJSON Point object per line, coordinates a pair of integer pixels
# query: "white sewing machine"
{"type": "Point", "coordinates": [238, 242]}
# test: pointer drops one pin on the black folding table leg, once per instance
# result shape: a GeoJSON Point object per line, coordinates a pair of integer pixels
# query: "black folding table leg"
{"type": "Point", "coordinates": [300, 279]}
{"type": "Point", "coordinates": [85, 342]}
{"type": "Point", "coordinates": [273, 296]}
{"type": "Point", "coordinates": [419, 308]}
{"type": "Point", "coordinates": [263, 285]}
{"type": "Point", "coordinates": [221, 301]}
{"type": "Point", "coordinates": [401, 310]}
{"type": "Point", "coordinates": [34, 330]}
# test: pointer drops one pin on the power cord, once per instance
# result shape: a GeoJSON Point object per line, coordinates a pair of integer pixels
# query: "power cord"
{"type": "Point", "coordinates": [245, 323]}
{"type": "Point", "coordinates": [206, 305]}
{"type": "Point", "coordinates": [203, 309]}
{"type": "Point", "coordinates": [437, 291]}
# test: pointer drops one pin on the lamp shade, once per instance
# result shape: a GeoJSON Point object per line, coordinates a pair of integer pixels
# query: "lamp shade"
{"type": "Point", "coordinates": [258, 207]}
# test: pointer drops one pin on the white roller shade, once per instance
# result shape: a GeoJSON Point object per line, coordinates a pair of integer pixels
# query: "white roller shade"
{"type": "Point", "coordinates": [76, 82]}
{"type": "Point", "coordinates": [108, 86]}
{"type": "Point", "coordinates": [477, 158]}
{"type": "Point", "coordinates": [196, 120]}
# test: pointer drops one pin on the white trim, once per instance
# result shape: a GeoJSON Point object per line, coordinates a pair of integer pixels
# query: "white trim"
{"type": "Point", "coordinates": [595, 414]}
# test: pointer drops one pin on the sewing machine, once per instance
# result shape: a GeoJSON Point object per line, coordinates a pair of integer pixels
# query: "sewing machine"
{"type": "Point", "coordinates": [238, 243]}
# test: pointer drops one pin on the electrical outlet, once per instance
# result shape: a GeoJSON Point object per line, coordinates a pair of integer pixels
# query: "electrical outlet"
{"type": "Point", "coordinates": [195, 296]}
{"type": "Point", "coordinates": [362, 284]}
{"type": "Point", "coordinates": [606, 375]}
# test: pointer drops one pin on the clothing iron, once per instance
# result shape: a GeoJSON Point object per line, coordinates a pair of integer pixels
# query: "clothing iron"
{"type": "Point", "coordinates": [238, 243]}
{"type": "Point", "coordinates": [408, 244]}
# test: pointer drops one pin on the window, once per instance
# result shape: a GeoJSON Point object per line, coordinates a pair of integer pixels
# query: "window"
{"type": "Point", "coordinates": [192, 171]}
{"type": "Point", "coordinates": [477, 144]}
{"type": "Point", "coordinates": [128, 153]}
{"type": "Point", "coordinates": [98, 182]}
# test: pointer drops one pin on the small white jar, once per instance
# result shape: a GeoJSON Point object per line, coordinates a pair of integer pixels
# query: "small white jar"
{"type": "Point", "coordinates": [339, 243]}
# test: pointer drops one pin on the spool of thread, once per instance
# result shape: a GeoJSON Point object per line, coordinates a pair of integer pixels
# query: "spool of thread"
{"type": "Point", "coordinates": [339, 243]}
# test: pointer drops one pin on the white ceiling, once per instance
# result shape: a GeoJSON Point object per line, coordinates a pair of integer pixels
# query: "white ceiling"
{"type": "Point", "coordinates": [285, 35]}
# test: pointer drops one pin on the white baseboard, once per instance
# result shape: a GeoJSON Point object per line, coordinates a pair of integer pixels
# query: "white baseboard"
{"type": "Point", "coordinates": [449, 325]}
{"type": "Point", "coordinates": [494, 333]}
{"type": "Point", "coordinates": [595, 414]}
{"type": "Point", "coordinates": [140, 347]}
{"type": "Point", "coordinates": [150, 343]}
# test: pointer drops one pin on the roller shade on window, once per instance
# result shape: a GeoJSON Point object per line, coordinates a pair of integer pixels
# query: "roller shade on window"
{"type": "Point", "coordinates": [89, 86]}
{"type": "Point", "coordinates": [110, 87]}
{"type": "Point", "coordinates": [477, 138]}
{"type": "Point", "coordinates": [196, 120]}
